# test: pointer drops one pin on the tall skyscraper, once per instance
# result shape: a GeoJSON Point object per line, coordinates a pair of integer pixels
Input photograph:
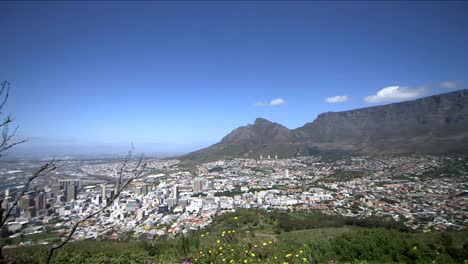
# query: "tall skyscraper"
{"type": "Point", "coordinates": [71, 188]}
{"type": "Point", "coordinates": [198, 184]}
{"type": "Point", "coordinates": [71, 191]}
{"type": "Point", "coordinates": [104, 194]}
{"type": "Point", "coordinates": [64, 183]}
{"type": "Point", "coordinates": [41, 201]}
{"type": "Point", "coordinates": [176, 194]}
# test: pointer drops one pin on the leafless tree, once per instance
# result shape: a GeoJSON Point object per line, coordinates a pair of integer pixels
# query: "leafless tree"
{"type": "Point", "coordinates": [7, 141]}
{"type": "Point", "coordinates": [124, 177]}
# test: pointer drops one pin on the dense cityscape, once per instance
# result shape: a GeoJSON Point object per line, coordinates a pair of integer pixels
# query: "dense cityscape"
{"type": "Point", "coordinates": [424, 193]}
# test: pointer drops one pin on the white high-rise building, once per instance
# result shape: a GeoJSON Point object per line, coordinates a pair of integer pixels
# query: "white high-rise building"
{"type": "Point", "coordinates": [104, 194]}
{"type": "Point", "coordinates": [286, 173]}
{"type": "Point", "coordinates": [176, 194]}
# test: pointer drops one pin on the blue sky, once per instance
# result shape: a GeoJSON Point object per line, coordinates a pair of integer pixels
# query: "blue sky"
{"type": "Point", "coordinates": [184, 74]}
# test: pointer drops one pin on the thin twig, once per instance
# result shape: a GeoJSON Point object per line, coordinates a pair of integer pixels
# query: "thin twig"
{"type": "Point", "coordinates": [6, 136]}
{"type": "Point", "coordinates": [44, 169]}
{"type": "Point", "coordinates": [122, 183]}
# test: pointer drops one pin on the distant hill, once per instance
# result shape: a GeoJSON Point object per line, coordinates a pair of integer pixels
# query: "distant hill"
{"type": "Point", "coordinates": [430, 125]}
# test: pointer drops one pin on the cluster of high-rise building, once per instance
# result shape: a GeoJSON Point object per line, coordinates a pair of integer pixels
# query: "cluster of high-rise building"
{"type": "Point", "coordinates": [41, 201]}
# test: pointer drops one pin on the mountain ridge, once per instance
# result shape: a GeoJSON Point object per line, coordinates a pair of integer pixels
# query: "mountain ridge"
{"type": "Point", "coordinates": [429, 125]}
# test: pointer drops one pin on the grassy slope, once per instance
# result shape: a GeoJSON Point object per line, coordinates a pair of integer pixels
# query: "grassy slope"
{"type": "Point", "coordinates": [302, 236]}
{"type": "Point", "coordinates": [250, 231]}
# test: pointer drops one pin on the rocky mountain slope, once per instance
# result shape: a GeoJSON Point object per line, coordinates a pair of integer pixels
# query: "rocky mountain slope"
{"type": "Point", "coordinates": [430, 125]}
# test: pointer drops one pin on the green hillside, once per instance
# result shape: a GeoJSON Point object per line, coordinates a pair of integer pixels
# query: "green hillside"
{"type": "Point", "coordinates": [254, 236]}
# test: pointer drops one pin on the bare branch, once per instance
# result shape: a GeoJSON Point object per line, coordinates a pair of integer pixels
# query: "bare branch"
{"type": "Point", "coordinates": [7, 120]}
{"type": "Point", "coordinates": [121, 184]}
{"type": "Point", "coordinates": [123, 168]}
{"type": "Point", "coordinates": [43, 170]}
{"type": "Point", "coordinates": [6, 136]}
{"type": "Point", "coordinates": [6, 143]}
{"type": "Point", "coordinates": [4, 92]}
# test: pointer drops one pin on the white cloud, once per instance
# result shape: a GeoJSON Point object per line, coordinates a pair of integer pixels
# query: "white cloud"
{"type": "Point", "coordinates": [450, 84]}
{"type": "Point", "coordinates": [394, 94]}
{"type": "Point", "coordinates": [278, 101]}
{"type": "Point", "coordinates": [337, 99]}
{"type": "Point", "coordinates": [274, 102]}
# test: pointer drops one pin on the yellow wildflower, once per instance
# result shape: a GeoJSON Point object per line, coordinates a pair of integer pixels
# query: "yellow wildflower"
{"type": "Point", "coordinates": [218, 241]}
{"type": "Point", "coordinates": [304, 259]}
{"type": "Point", "coordinates": [264, 243]}
{"type": "Point", "coordinates": [288, 255]}
{"type": "Point", "coordinates": [253, 255]}
{"type": "Point", "coordinates": [245, 261]}
{"type": "Point", "coordinates": [235, 218]}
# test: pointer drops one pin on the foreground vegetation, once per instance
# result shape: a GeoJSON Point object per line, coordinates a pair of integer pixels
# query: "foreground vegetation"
{"type": "Point", "coordinates": [254, 236]}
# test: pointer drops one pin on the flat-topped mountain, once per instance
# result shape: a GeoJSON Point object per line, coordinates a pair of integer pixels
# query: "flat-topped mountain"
{"type": "Point", "coordinates": [430, 125]}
